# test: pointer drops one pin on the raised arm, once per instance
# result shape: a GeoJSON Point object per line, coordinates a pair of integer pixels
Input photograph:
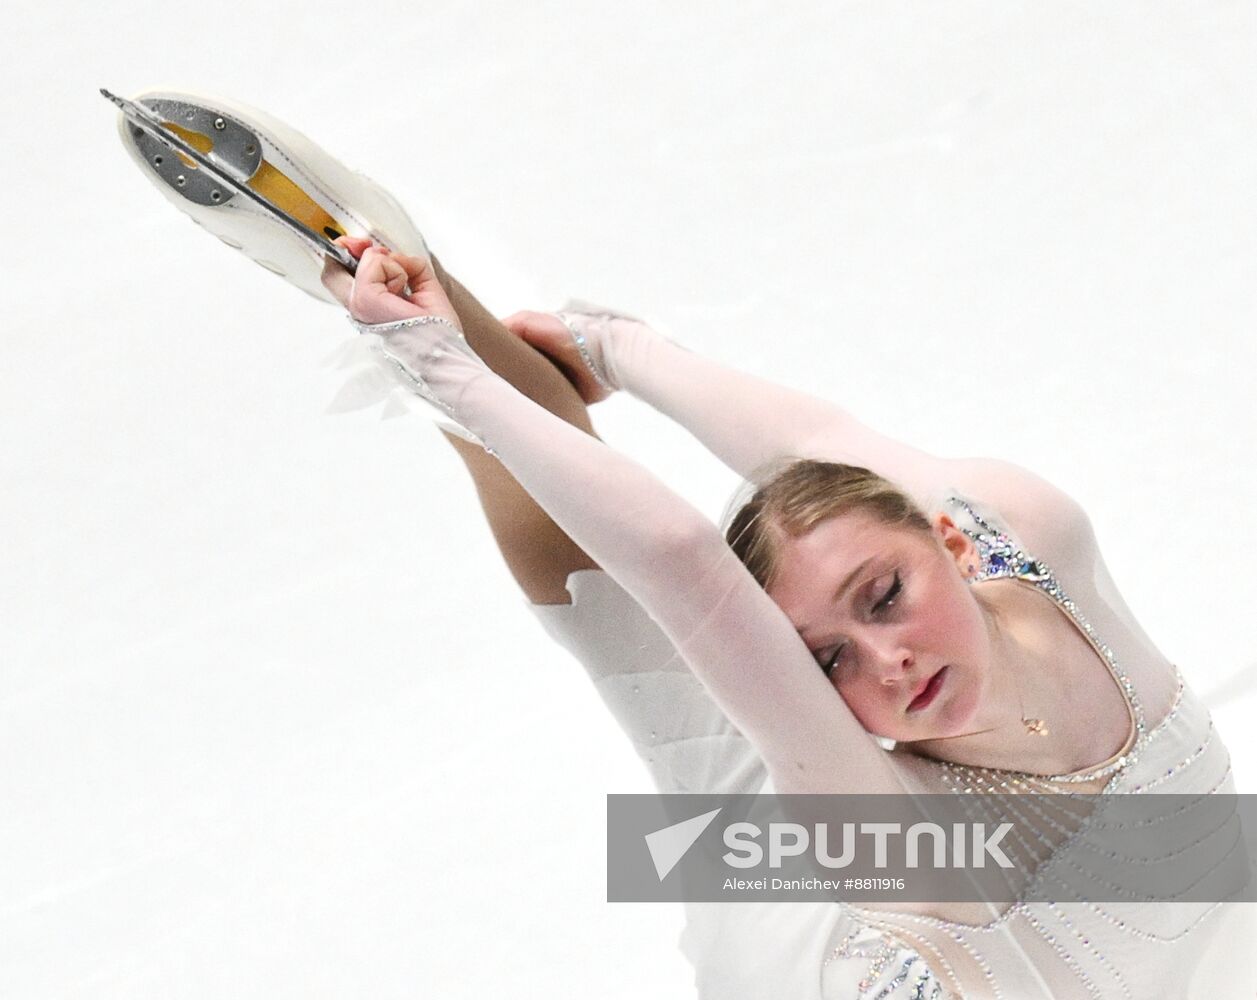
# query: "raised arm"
{"type": "Point", "coordinates": [663, 551]}
{"type": "Point", "coordinates": [746, 421]}
{"type": "Point", "coordinates": [749, 422]}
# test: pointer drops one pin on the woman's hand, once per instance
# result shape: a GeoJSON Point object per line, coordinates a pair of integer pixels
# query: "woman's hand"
{"type": "Point", "coordinates": [388, 286]}
{"type": "Point", "coordinates": [548, 334]}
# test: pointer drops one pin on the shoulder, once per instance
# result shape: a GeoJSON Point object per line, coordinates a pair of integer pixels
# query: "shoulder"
{"type": "Point", "coordinates": [1047, 521]}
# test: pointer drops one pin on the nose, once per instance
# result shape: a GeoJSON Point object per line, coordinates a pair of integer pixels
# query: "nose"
{"type": "Point", "coordinates": [891, 660]}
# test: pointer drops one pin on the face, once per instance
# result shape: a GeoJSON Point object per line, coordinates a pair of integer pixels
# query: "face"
{"type": "Point", "coordinates": [891, 621]}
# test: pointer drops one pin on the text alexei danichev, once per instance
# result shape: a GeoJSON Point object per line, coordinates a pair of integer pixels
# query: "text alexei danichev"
{"type": "Point", "coordinates": [810, 884]}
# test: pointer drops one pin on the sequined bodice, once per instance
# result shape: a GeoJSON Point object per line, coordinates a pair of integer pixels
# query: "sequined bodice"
{"type": "Point", "coordinates": [1037, 949]}
{"type": "Point", "coordinates": [1033, 950]}
{"type": "Point", "coordinates": [1002, 558]}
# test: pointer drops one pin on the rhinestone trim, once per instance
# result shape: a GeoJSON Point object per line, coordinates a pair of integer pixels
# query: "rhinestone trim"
{"type": "Point", "coordinates": [404, 324]}
{"type": "Point", "coordinates": [1053, 923]}
{"type": "Point", "coordinates": [410, 379]}
{"type": "Point", "coordinates": [1001, 558]}
{"type": "Point", "coordinates": [880, 952]}
{"type": "Point", "coordinates": [582, 347]}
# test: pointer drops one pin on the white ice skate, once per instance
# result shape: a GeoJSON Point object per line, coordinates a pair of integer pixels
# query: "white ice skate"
{"type": "Point", "coordinates": [259, 185]}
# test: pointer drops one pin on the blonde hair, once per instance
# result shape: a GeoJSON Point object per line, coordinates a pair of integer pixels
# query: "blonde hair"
{"type": "Point", "coordinates": [798, 497]}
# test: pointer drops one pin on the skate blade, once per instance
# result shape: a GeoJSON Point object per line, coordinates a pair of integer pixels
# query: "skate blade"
{"type": "Point", "coordinates": [209, 158]}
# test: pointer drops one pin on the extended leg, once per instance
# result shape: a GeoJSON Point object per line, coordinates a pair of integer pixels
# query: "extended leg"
{"type": "Point", "coordinates": [538, 553]}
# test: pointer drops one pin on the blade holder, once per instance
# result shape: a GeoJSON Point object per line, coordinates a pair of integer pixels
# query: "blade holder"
{"type": "Point", "coordinates": [235, 149]}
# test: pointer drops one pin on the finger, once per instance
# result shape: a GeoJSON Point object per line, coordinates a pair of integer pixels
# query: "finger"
{"type": "Point", "coordinates": [395, 276]}
{"type": "Point", "coordinates": [516, 321]}
{"type": "Point", "coordinates": [543, 331]}
{"type": "Point", "coordinates": [378, 271]}
{"type": "Point", "coordinates": [370, 300]}
{"type": "Point", "coordinates": [369, 283]}
{"type": "Point", "coordinates": [425, 286]}
{"type": "Point", "coordinates": [527, 319]}
{"type": "Point", "coordinates": [356, 245]}
{"type": "Point", "coordinates": [418, 269]}
{"type": "Point", "coordinates": [371, 268]}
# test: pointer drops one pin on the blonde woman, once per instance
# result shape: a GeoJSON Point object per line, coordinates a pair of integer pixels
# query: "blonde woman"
{"type": "Point", "coordinates": [959, 608]}
{"type": "Point", "coordinates": [868, 595]}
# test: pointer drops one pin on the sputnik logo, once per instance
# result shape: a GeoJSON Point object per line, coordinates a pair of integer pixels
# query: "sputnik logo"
{"type": "Point", "coordinates": [668, 846]}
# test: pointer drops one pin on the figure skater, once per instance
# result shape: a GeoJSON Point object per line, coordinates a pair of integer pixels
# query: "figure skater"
{"type": "Point", "coordinates": [867, 594]}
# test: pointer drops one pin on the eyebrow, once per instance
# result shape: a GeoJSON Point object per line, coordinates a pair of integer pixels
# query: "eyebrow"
{"type": "Point", "coordinates": [842, 588]}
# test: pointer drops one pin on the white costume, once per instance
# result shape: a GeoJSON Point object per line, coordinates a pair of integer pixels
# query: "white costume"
{"type": "Point", "coordinates": [708, 676]}
{"type": "Point", "coordinates": [719, 694]}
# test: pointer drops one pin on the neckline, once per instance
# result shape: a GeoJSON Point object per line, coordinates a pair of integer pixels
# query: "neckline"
{"type": "Point", "coordinates": [1003, 558]}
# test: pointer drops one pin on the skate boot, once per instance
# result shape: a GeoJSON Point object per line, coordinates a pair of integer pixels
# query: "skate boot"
{"type": "Point", "coordinates": [259, 185]}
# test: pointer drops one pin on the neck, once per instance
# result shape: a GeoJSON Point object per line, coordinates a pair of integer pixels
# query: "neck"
{"type": "Point", "coordinates": [1020, 686]}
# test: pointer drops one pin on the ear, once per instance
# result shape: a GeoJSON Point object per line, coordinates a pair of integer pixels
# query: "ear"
{"type": "Point", "coordinates": [957, 545]}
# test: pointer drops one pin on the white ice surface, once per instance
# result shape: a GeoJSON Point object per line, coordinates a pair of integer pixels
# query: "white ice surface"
{"type": "Point", "coordinates": [273, 721]}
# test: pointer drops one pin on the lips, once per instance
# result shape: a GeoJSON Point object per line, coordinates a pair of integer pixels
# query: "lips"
{"type": "Point", "coordinates": [927, 693]}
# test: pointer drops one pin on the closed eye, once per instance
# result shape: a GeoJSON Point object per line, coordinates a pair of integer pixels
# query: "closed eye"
{"type": "Point", "coordinates": [888, 598]}
{"type": "Point", "coordinates": [883, 604]}
{"type": "Point", "coordinates": [828, 663]}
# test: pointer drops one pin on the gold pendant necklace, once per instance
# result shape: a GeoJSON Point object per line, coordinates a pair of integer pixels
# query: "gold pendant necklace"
{"type": "Point", "coordinates": [1034, 727]}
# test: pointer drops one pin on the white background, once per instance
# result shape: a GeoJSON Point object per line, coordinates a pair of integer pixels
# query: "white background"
{"type": "Point", "coordinates": [273, 720]}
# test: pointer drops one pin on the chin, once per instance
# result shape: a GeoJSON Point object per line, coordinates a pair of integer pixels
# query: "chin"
{"type": "Point", "coordinates": [952, 714]}
{"type": "Point", "coordinates": [958, 713]}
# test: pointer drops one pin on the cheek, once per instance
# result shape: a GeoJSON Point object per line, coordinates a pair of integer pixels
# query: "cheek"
{"type": "Point", "coordinates": [869, 703]}
{"type": "Point", "coordinates": [948, 618]}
